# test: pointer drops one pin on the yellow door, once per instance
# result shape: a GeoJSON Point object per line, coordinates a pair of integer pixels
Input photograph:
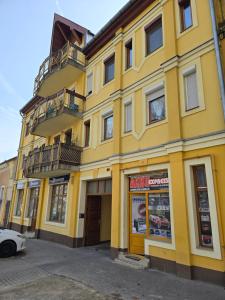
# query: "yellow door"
{"type": "Point", "coordinates": [137, 223]}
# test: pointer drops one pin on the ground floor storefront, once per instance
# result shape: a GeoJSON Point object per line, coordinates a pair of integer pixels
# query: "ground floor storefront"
{"type": "Point", "coordinates": [170, 209]}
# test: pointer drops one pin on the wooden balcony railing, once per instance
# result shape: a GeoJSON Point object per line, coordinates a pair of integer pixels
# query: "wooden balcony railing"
{"type": "Point", "coordinates": [42, 161]}
{"type": "Point", "coordinates": [52, 106]}
{"type": "Point", "coordinates": [69, 52]}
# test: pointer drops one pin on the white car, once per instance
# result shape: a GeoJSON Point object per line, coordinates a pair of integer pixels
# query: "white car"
{"type": "Point", "coordinates": [11, 242]}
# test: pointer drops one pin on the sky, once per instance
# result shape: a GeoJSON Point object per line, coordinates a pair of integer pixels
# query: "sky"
{"type": "Point", "coordinates": [25, 30]}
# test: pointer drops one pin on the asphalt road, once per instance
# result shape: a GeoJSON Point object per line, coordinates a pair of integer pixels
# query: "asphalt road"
{"type": "Point", "coordinates": [51, 271]}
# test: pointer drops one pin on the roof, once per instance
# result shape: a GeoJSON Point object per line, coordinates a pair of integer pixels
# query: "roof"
{"type": "Point", "coordinates": [125, 15]}
{"type": "Point", "coordinates": [8, 160]}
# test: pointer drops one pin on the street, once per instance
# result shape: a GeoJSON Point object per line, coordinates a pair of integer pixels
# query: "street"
{"type": "Point", "coordinates": [51, 271]}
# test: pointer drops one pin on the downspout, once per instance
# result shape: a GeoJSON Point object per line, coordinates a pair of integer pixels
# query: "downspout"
{"type": "Point", "coordinates": [218, 57]}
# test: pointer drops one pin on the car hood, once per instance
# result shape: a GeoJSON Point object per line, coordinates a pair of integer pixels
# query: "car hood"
{"type": "Point", "coordinates": [9, 232]}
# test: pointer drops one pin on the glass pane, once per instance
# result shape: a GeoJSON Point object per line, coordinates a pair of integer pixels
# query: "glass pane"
{"type": "Point", "coordinates": [159, 215]}
{"type": "Point", "coordinates": [128, 117]}
{"type": "Point", "coordinates": [157, 109]}
{"type": "Point", "coordinates": [108, 186]}
{"type": "Point", "coordinates": [109, 70]}
{"type": "Point", "coordinates": [92, 187]}
{"type": "Point", "coordinates": [203, 209]}
{"type": "Point", "coordinates": [154, 37]}
{"type": "Point", "coordinates": [187, 15]}
{"type": "Point", "coordinates": [138, 214]}
{"type": "Point", "coordinates": [108, 124]}
{"type": "Point", "coordinates": [191, 91]}
{"type": "Point", "coordinates": [101, 187]}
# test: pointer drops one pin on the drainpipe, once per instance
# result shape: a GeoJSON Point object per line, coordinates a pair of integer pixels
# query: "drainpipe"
{"type": "Point", "coordinates": [218, 57]}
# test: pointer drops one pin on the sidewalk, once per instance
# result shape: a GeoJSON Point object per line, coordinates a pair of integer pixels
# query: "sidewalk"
{"type": "Point", "coordinates": [52, 271]}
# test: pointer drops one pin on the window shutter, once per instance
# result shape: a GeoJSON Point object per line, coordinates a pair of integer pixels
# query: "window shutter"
{"type": "Point", "coordinates": [128, 117]}
{"type": "Point", "coordinates": [192, 100]}
{"type": "Point", "coordinates": [89, 83]}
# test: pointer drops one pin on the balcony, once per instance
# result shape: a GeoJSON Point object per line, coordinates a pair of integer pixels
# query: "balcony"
{"type": "Point", "coordinates": [51, 161]}
{"type": "Point", "coordinates": [55, 113]}
{"type": "Point", "coordinates": [60, 69]}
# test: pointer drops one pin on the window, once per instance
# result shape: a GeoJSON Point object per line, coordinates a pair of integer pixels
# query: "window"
{"type": "Point", "coordinates": [185, 14]}
{"type": "Point", "coordinates": [191, 90]}
{"type": "Point", "coordinates": [129, 54]}
{"type": "Point", "coordinates": [68, 137]}
{"type": "Point", "coordinates": [19, 203]}
{"type": "Point", "coordinates": [128, 117]}
{"type": "Point", "coordinates": [202, 207]}
{"type": "Point", "coordinates": [32, 208]}
{"type": "Point", "coordinates": [151, 211]}
{"type": "Point", "coordinates": [90, 84]}
{"type": "Point", "coordinates": [156, 106]}
{"type": "Point", "coordinates": [154, 36]}
{"type": "Point", "coordinates": [58, 203]}
{"type": "Point", "coordinates": [108, 127]}
{"type": "Point", "coordinates": [87, 126]}
{"type": "Point", "coordinates": [57, 139]}
{"type": "Point", "coordinates": [27, 129]}
{"type": "Point", "coordinates": [109, 69]}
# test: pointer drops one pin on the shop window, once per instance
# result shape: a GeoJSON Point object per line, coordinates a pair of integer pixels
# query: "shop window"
{"type": "Point", "coordinates": [202, 207]}
{"type": "Point", "coordinates": [185, 14]}
{"type": "Point", "coordinates": [19, 203]}
{"type": "Point", "coordinates": [58, 203]}
{"type": "Point", "coordinates": [129, 54]}
{"type": "Point", "coordinates": [156, 106]}
{"type": "Point", "coordinates": [108, 127]}
{"type": "Point", "coordinates": [155, 221]}
{"type": "Point", "coordinates": [154, 36]}
{"type": "Point", "coordinates": [109, 65]}
{"type": "Point", "coordinates": [34, 193]}
{"type": "Point", "coordinates": [128, 117]}
{"type": "Point", "coordinates": [90, 84]}
{"type": "Point", "coordinates": [87, 126]}
{"type": "Point", "coordinates": [191, 89]}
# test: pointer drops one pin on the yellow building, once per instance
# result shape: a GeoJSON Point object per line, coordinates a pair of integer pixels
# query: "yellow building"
{"type": "Point", "coordinates": [124, 139]}
{"type": "Point", "coordinates": [7, 178]}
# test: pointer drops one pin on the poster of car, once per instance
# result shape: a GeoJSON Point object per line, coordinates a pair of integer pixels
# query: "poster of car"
{"type": "Point", "coordinates": [138, 214]}
{"type": "Point", "coordinates": [159, 215]}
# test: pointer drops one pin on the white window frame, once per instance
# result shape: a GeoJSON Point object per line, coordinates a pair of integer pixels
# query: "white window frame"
{"type": "Point", "coordinates": [48, 207]}
{"type": "Point", "coordinates": [107, 113]}
{"type": "Point", "coordinates": [165, 245]}
{"type": "Point", "coordinates": [186, 73]}
{"type": "Point", "coordinates": [127, 103]}
{"type": "Point", "coordinates": [179, 30]}
{"type": "Point", "coordinates": [90, 91]}
{"type": "Point", "coordinates": [191, 203]}
{"type": "Point", "coordinates": [185, 69]}
{"type": "Point", "coordinates": [149, 90]}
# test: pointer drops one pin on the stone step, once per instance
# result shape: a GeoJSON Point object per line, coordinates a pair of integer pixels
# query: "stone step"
{"type": "Point", "coordinates": [29, 234]}
{"type": "Point", "coordinates": [133, 261]}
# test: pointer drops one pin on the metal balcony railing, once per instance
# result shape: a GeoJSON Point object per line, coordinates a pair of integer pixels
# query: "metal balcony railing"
{"type": "Point", "coordinates": [69, 52]}
{"type": "Point", "coordinates": [55, 157]}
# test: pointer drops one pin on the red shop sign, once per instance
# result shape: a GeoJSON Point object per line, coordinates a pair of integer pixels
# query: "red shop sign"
{"type": "Point", "coordinates": [148, 182]}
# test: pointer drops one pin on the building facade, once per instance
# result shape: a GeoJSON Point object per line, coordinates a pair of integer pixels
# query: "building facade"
{"type": "Point", "coordinates": [124, 139]}
{"type": "Point", "coordinates": [7, 178]}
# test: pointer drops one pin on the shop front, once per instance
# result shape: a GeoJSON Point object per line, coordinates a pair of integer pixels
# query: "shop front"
{"type": "Point", "coordinates": [149, 207]}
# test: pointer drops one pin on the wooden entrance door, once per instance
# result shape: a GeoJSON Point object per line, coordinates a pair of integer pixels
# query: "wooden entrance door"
{"type": "Point", "coordinates": [137, 223]}
{"type": "Point", "coordinates": [33, 206]}
{"type": "Point", "coordinates": [92, 220]}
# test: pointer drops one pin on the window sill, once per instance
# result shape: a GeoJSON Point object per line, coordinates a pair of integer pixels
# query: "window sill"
{"type": "Point", "coordinates": [105, 84]}
{"type": "Point", "coordinates": [55, 224]}
{"type": "Point", "coordinates": [127, 133]}
{"type": "Point", "coordinates": [147, 55]}
{"type": "Point", "coordinates": [106, 141]}
{"type": "Point", "coordinates": [156, 123]}
{"type": "Point", "coordinates": [192, 111]}
{"type": "Point", "coordinates": [183, 32]}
